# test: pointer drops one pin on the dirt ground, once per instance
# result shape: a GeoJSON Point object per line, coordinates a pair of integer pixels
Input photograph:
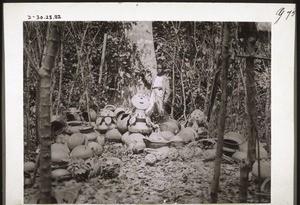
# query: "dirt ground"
{"type": "Point", "coordinates": [185, 179]}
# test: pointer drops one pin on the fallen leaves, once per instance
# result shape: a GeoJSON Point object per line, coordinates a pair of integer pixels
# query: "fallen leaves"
{"type": "Point", "coordinates": [182, 175]}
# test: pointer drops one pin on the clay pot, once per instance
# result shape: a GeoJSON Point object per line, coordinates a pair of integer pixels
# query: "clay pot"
{"type": "Point", "coordinates": [58, 124]}
{"type": "Point", "coordinates": [82, 151]}
{"type": "Point", "coordinates": [207, 143]}
{"type": "Point", "coordinates": [105, 121]}
{"type": "Point", "coordinates": [119, 111]}
{"type": "Point", "coordinates": [235, 136]}
{"type": "Point", "coordinates": [125, 137]}
{"type": "Point", "coordinates": [96, 148]}
{"type": "Point", "coordinates": [167, 135]}
{"type": "Point", "coordinates": [156, 140]}
{"type": "Point", "coordinates": [61, 174]}
{"type": "Point", "coordinates": [89, 132]}
{"type": "Point", "coordinates": [239, 155]}
{"type": "Point", "coordinates": [122, 122]}
{"type": "Point", "coordinates": [175, 122]}
{"type": "Point", "coordinates": [138, 147]}
{"type": "Point", "coordinates": [59, 153]}
{"type": "Point", "coordinates": [265, 169]}
{"type": "Point", "coordinates": [188, 134]}
{"type": "Point", "coordinates": [231, 145]}
{"type": "Point", "coordinates": [75, 140]}
{"type": "Point", "coordinates": [113, 135]}
{"type": "Point", "coordinates": [93, 115]}
{"type": "Point", "coordinates": [177, 141]}
{"type": "Point", "coordinates": [169, 126]}
{"type": "Point", "coordinates": [73, 114]}
{"type": "Point", "coordinates": [74, 127]}
{"type": "Point", "coordinates": [101, 139]}
{"type": "Point", "coordinates": [140, 127]}
{"type": "Point", "coordinates": [134, 138]}
{"type": "Point", "coordinates": [62, 139]}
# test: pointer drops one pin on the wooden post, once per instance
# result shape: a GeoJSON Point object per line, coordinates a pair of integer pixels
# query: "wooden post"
{"type": "Point", "coordinates": [243, 188]}
{"type": "Point", "coordinates": [222, 114]}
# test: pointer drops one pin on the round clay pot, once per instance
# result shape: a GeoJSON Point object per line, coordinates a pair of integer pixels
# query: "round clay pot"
{"type": "Point", "coordinates": [169, 126]}
{"type": "Point", "coordinates": [113, 135]}
{"type": "Point", "coordinates": [58, 124]}
{"type": "Point", "coordinates": [73, 115]}
{"type": "Point", "coordinates": [75, 140]}
{"type": "Point", "coordinates": [61, 174]}
{"type": "Point", "coordinates": [62, 139]}
{"type": "Point", "coordinates": [93, 115]}
{"type": "Point", "coordinates": [89, 132]}
{"type": "Point", "coordinates": [96, 148]}
{"type": "Point", "coordinates": [74, 127]}
{"type": "Point", "coordinates": [82, 152]}
{"type": "Point", "coordinates": [188, 134]}
{"type": "Point", "coordinates": [59, 153]}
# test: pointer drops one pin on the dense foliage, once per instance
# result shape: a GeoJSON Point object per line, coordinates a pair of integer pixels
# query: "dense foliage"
{"type": "Point", "coordinates": [189, 52]}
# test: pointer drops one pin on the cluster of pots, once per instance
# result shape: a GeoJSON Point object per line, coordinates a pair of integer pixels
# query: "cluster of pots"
{"type": "Point", "coordinates": [82, 135]}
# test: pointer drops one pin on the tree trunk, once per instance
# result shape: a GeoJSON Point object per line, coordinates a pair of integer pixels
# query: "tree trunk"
{"type": "Point", "coordinates": [183, 91]}
{"type": "Point", "coordinates": [251, 93]}
{"type": "Point", "coordinates": [27, 109]}
{"type": "Point", "coordinates": [238, 102]}
{"type": "Point", "coordinates": [142, 35]}
{"type": "Point", "coordinates": [243, 187]}
{"type": "Point", "coordinates": [267, 118]}
{"type": "Point", "coordinates": [173, 85]}
{"type": "Point", "coordinates": [213, 94]}
{"type": "Point", "coordinates": [44, 116]}
{"type": "Point", "coordinates": [102, 61]}
{"type": "Point", "coordinates": [60, 78]}
{"type": "Point", "coordinates": [222, 114]}
{"type": "Point", "coordinates": [53, 82]}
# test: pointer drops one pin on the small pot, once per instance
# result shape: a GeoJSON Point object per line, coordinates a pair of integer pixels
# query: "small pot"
{"type": "Point", "coordinates": [155, 145]}
{"type": "Point", "coordinates": [58, 124]}
{"type": "Point", "coordinates": [231, 144]}
{"type": "Point", "coordinates": [89, 132]}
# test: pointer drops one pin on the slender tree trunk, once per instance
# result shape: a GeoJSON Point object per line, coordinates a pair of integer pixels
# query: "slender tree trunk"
{"type": "Point", "coordinates": [183, 92]}
{"type": "Point", "coordinates": [38, 111]}
{"type": "Point", "coordinates": [102, 60]}
{"type": "Point", "coordinates": [72, 87]}
{"type": "Point", "coordinates": [251, 93]}
{"type": "Point", "coordinates": [213, 94]}
{"type": "Point", "coordinates": [267, 118]}
{"type": "Point", "coordinates": [27, 110]}
{"type": "Point", "coordinates": [60, 78]}
{"type": "Point", "coordinates": [44, 116]}
{"type": "Point", "coordinates": [222, 114]}
{"type": "Point", "coordinates": [250, 106]}
{"type": "Point", "coordinates": [173, 85]}
{"type": "Point", "coordinates": [238, 102]}
{"type": "Point", "coordinates": [243, 187]}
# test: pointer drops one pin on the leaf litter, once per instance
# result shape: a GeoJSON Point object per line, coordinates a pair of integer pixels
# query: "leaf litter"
{"type": "Point", "coordinates": [184, 179]}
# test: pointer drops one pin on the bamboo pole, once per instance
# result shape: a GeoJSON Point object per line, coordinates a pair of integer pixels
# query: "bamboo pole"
{"type": "Point", "coordinates": [44, 115]}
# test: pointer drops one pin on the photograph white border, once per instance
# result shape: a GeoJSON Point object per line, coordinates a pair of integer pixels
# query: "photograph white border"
{"type": "Point", "coordinates": [282, 72]}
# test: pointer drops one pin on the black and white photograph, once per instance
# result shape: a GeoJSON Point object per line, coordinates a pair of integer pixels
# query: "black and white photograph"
{"type": "Point", "coordinates": [150, 111]}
